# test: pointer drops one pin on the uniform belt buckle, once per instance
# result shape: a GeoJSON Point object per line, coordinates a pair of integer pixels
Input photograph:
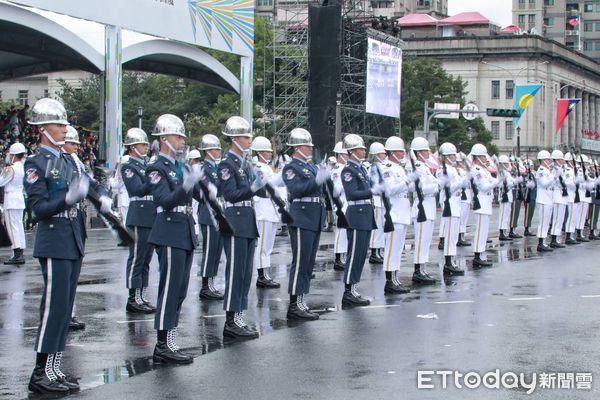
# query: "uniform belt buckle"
{"type": "Point", "coordinates": [72, 212]}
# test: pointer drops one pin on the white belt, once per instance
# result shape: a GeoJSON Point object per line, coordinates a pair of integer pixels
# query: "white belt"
{"type": "Point", "coordinates": [245, 203]}
{"type": "Point", "coordinates": [179, 209]}
{"type": "Point", "coordinates": [70, 213]}
{"type": "Point", "coordinates": [429, 195]}
{"type": "Point", "coordinates": [145, 198]}
{"type": "Point", "coordinates": [307, 200]}
{"type": "Point", "coordinates": [358, 202]}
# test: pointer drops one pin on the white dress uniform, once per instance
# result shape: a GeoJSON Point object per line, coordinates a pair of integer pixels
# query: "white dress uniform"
{"type": "Point", "coordinates": [485, 184]}
{"type": "Point", "coordinates": [451, 224]}
{"type": "Point", "coordinates": [339, 234]}
{"type": "Point", "coordinates": [544, 199]}
{"type": "Point", "coordinates": [267, 219]}
{"type": "Point", "coordinates": [465, 202]}
{"type": "Point", "coordinates": [505, 208]}
{"type": "Point", "coordinates": [569, 177]}
{"type": "Point", "coordinates": [14, 203]}
{"type": "Point", "coordinates": [398, 186]}
{"type": "Point", "coordinates": [424, 230]}
{"type": "Point", "coordinates": [377, 235]}
{"type": "Point", "coordinates": [586, 185]}
{"type": "Point", "coordinates": [560, 202]}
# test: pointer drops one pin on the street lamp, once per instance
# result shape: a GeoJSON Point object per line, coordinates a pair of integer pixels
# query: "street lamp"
{"type": "Point", "coordinates": [518, 142]}
{"type": "Point", "coordinates": [140, 114]}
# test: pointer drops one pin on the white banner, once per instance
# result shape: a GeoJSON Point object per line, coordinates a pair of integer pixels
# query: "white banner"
{"type": "Point", "coordinates": [589, 144]}
{"type": "Point", "coordinates": [384, 70]}
{"type": "Point", "coordinates": [226, 25]}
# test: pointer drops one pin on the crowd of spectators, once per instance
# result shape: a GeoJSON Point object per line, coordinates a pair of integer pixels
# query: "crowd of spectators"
{"type": "Point", "coordinates": [15, 129]}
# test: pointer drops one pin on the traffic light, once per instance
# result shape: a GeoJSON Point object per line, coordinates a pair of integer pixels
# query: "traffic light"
{"type": "Point", "coordinates": [503, 112]}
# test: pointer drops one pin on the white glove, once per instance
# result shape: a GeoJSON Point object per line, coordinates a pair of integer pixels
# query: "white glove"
{"type": "Point", "coordinates": [105, 205]}
{"type": "Point", "coordinates": [77, 191]}
{"type": "Point", "coordinates": [322, 175]}
{"type": "Point", "coordinates": [444, 180]}
{"type": "Point", "coordinates": [257, 184]}
{"type": "Point", "coordinates": [530, 184]}
{"type": "Point", "coordinates": [112, 182]}
{"type": "Point", "coordinates": [411, 186]}
{"type": "Point", "coordinates": [518, 180]}
{"type": "Point", "coordinates": [276, 180]}
{"type": "Point", "coordinates": [378, 188]}
{"type": "Point", "coordinates": [191, 178]}
{"type": "Point", "coordinates": [413, 176]}
{"type": "Point", "coordinates": [212, 191]}
{"type": "Point", "coordinates": [337, 191]}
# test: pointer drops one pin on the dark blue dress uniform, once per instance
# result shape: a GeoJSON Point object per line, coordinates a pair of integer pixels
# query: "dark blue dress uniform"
{"type": "Point", "coordinates": [59, 243]}
{"type": "Point", "coordinates": [361, 220]}
{"type": "Point", "coordinates": [140, 219]}
{"type": "Point", "coordinates": [308, 212]}
{"type": "Point", "coordinates": [235, 179]}
{"type": "Point", "coordinates": [212, 241]}
{"type": "Point", "coordinates": [173, 235]}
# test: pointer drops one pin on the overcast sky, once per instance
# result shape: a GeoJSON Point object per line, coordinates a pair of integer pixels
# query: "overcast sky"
{"type": "Point", "coordinates": [498, 11]}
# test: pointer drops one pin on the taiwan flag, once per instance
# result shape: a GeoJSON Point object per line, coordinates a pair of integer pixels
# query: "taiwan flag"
{"type": "Point", "coordinates": [563, 108]}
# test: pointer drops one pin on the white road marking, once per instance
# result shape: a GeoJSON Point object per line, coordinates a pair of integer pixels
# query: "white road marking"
{"type": "Point", "coordinates": [134, 320]}
{"type": "Point", "coordinates": [455, 302]}
{"type": "Point", "coordinates": [526, 298]}
{"type": "Point", "coordinates": [590, 296]}
{"type": "Point", "coordinates": [214, 316]}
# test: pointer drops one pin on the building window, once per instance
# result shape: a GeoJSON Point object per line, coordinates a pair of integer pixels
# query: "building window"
{"type": "Point", "coordinates": [46, 93]}
{"type": "Point", "coordinates": [495, 130]}
{"type": "Point", "coordinates": [597, 46]}
{"type": "Point", "coordinates": [549, 21]}
{"type": "Point", "coordinates": [597, 26]}
{"type": "Point", "coordinates": [508, 130]}
{"type": "Point", "coordinates": [531, 21]}
{"type": "Point", "coordinates": [548, 2]}
{"type": "Point", "coordinates": [587, 45]}
{"type": "Point", "coordinates": [531, 4]}
{"type": "Point", "coordinates": [522, 21]}
{"type": "Point", "coordinates": [495, 89]}
{"type": "Point", "coordinates": [510, 89]}
{"type": "Point", "coordinates": [23, 97]}
{"type": "Point", "coordinates": [588, 27]}
{"type": "Point", "coordinates": [264, 3]}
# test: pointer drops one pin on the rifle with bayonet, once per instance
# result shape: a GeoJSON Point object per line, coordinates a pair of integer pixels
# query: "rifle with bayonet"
{"type": "Point", "coordinates": [474, 188]}
{"type": "Point", "coordinates": [388, 224]}
{"type": "Point", "coordinates": [421, 216]}
{"type": "Point", "coordinates": [447, 211]}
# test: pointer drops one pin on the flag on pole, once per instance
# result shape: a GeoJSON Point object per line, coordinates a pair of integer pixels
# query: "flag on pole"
{"type": "Point", "coordinates": [524, 96]}
{"type": "Point", "coordinates": [574, 21]}
{"type": "Point", "coordinates": [563, 108]}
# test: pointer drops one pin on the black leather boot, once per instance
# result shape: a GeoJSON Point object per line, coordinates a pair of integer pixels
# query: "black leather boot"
{"type": "Point", "coordinates": [235, 328]}
{"type": "Point", "coordinates": [392, 285]}
{"type": "Point", "coordinates": [374, 258]}
{"type": "Point", "coordinates": [135, 304]}
{"type": "Point", "coordinates": [167, 351]}
{"type": "Point", "coordinates": [461, 241]}
{"type": "Point", "coordinates": [570, 240]}
{"type": "Point", "coordinates": [542, 248]}
{"type": "Point", "coordinates": [580, 237]}
{"type": "Point", "coordinates": [527, 233]}
{"type": "Point", "coordinates": [339, 265]}
{"type": "Point", "coordinates": [478, 262]}
{"type": "Point", "coordinates": [513, 235]}
{"type": "Point", "coordinates": [554, 243]}
{"type": "Point", "coordinates": [451, 269]}
{"type": "Point", "coordinates": [593, 236]}
{"type": "Point", "coordinates": [421, 277]}
{"type": "Point", "coordinates": [441, 244]}
{"type": "Point", "coordinates": [503, 236]}
{"type": "Point", "coordinates": [298, 310]}
{"type": "Point", "coordinates": [43, 379]}
{"type": "Point", "coordinates": [264, 280]}
{"type": "Point", "coordinates": [145, 299]}
{"type": "Point", "coordinates": [76, 325]}
{"type": "Point", "coordinates": [17, 258]}
{"type": "Point", "coordinates": [68, 381]}
{"type": "Point", "coordinates": [352, 298]}
{"type": "Point", "coordinates": [207, 292]}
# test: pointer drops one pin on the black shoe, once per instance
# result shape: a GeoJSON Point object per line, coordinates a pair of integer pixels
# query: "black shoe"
{"type": "Point", "coordinates": [478, 262]}
{"type": "Point", "coordinates": [234, 331]}
{"type": "Point", "coordinates": [503, 237]}
{"type": "Point", "coordinates": [569, 240]}
{"type": "Point", "coordinates": [69, 382]}
{"type": "Point", "coordinates": [266, 283]}
{"type": "Point", "coordinates": [76, 325]}
{"type": "Point", "coordinates": [514, 235]}
{"type": "Point", "coordinates": [339, 265]}
{"type": "Point", "coordinates": [206, 293]}
{"type": "Point", "coordinates": [122, 244]}
{"type": "Point", "coordinates": [441, 244]}
{"type": "Point", "coordinates": [542, 248]}
{"type": "Point", "coordinates": [163, 354]}
{"type": "Point", "coordinates": [16, 259]}
{"type": "Point", "coordinates": [593, 236]}
{"type": "Point", "coordinates": [354, 299]}
{"type": "Point", "coordinates": [145, 301]}
{"type": "Point", "coordinates": [296, 312]}
{"type": "Point", "coordinates": [462, 242]}
{"type": "Point", "coordinates": [453, 270]}
{"type": "Point", "coordinates": [554, 243]}
{"type": "Point", "coordinates": [422, 278]}
{"type": "Point", "coordinates": [137, 308]}
{"type": "Point", "coordinates": [43, 379]}
{"type": "Point", "coordinates": [392, 287]}
{"type": "Point", "coordinates": [374, 259]}
{"type": "Point", "coordinates": [581, 239]}
{"type": "Point", "coordinates": [527, 233]}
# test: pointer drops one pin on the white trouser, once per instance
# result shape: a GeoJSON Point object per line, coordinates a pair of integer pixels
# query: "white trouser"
{"type": "Point", "coordinates": [423, 235]}
{"type": "Point", "coordinates": [465, 210]}
{"type": "Point", "coordinates": [264, 244]}
{"type": "Point", "coordinates": [13, 219]}
{"type": "Point", "coordinates": [558, 217]}
{"type": "Point", "coordinates": [544, 215]}
{"type": "Point", "coordinates": [482, 228]}
{"type": "Point", "coordinates": [504, 216]}
{"type": "Point", "coordinates": [452, 225]}
{"type": "Point", "coordinates": [572, 209]}
{"type": "Point", "coordinates": [123, 211]}
{"type": "Point", "coordinates": [394, 247]}
{"type": "Point", "coordinates": [377, 235]}
{"type": "Point", "coordinates": [582, 215]}
{"type": "Point", "coordinates": [442, 233]}
{"type": "Point", "coordinates": [341, 240]}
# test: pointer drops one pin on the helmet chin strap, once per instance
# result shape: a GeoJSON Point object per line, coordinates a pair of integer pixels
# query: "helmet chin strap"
{"type": "Point", "coordinates": [214, 159]}
{"type": "Point", "coordinates": [51, 139]}
{"type": "Point", "coordinates": [353, 155]}
{"type": "Point", "coordinates": [264, 159]}
{"type": "Point", "coordinates": [307, 158]}
{"type": "Point", "coordinates": [398, 161]}
{"type": "Point", "coordinates": [142, 156]}
{"type": "Point", "coordinates": [172, 149]}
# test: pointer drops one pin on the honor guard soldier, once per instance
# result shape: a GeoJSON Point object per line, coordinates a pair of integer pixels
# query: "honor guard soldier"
{"type": "Point", "coordinates": [267, 216]}
{"type": "Point", "coordinates": [544, 177]}
{"type": "Point", "coordinates": [172, 189]}
{"type": "Point", "coordinates": [595, 208]}
{"type": "Point", "coordinates": [122, 197]}
{"type": "Point", "coordinates": [426, 187]}
{"type": "Point", "coordinates": [304, 184]}
{"type": "Point", "coordinates": [483, 184]}
{"type": "Point", "coordinates": [238, 186]}
{"type": "Point", "coordinates": [530, 198]}
{"type": "Point", "coordinates": [377, 154]}
{"type": "Point", "coordinates": [517, 195]}
{"type": "Point", "coordinates": [398, 186]}
{"type": "Point", "coordinates": [584, 196]}
{"type": "Point", "coordinates": [53, 197]}
{"type": "Point", "coordinates": [14, 202]}
{"type": "Point", "coordinates": [339, 234]}
{"type": "Point", "coordinates": [506, 196]}
{"type": "Point", "coordinates": [452, 183]}
{"type": "Point", "coordinates": [360, 215]}
{"type": "Point", "coordinates": [570, 179]}
{"type": "Point", "coordinates": [212, 240]}
{"type": "Point", "coordinates": [466, 198]}
{"type": "Point", "coordinates": [194, 158]}
{"type": "Point", "coordinates": [140, 219]}
{"type": "Point", "coordinates": [562, 184]}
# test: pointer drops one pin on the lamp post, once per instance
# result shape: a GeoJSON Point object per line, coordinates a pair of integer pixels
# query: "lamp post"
{"type": "Point", "coordinates": [140, 115]}
{"type": "Point", "coordinates": [518, 141]}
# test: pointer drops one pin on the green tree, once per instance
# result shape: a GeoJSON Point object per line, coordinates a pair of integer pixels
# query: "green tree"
{"type": "Point", "coordinates": [424, 79]}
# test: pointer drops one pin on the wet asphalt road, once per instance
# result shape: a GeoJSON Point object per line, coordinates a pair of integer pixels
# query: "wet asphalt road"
{"type": "Point", "coordinates": [527, 314]}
